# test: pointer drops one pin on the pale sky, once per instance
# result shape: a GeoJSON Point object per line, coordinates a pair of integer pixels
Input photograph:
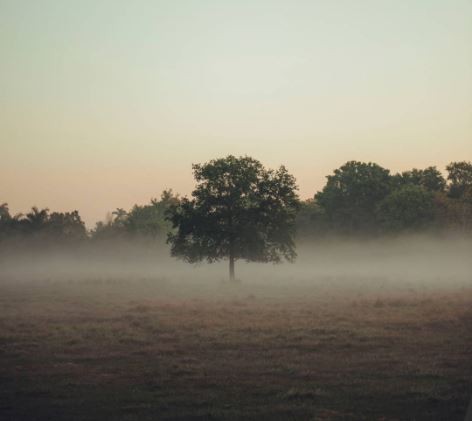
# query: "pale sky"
{"type": "Point", "coordinates": [103, 104]}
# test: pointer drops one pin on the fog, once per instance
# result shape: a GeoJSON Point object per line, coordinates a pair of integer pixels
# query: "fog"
{"type": "Point", "coordinates": [423, 261]}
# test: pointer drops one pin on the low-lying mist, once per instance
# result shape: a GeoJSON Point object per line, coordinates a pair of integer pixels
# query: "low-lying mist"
{"type": "Point", "coordinates": [388, 262]}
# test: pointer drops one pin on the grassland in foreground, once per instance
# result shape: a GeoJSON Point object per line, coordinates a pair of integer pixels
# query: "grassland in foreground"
{"type": "Point", "coordinates": [147, 350]}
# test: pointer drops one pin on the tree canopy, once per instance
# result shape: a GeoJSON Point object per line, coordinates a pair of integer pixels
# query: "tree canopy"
{"type": "Point", "coordinates": [143, 221]}
{"type": "Point", "coordinates": [42, 225]}
{"type": "Point", "coordinates": [460, 177]}
{"type": "Point", "coordinates": [429, 178]}
{"type": "Point", "coordinates": [351, 195]}
{"type": "Point", "coordinates": [238, 210]}
{"type": "Point", "coordinates": [409, 207]}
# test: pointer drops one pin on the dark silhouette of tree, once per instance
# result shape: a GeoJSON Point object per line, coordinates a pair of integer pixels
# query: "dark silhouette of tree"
{"type": "Point", "coordinates": [66, 226]}
{"type": "Point", "coordinates": [460, 191]}
{"type": "Point", "coordinates": [144, 221]}
{"type": "Point", "coordinates": [40, 225]}
{"type": "Point", "coordinates": [150, 220]}
{"type": "Point", "coordinates": [4, 212]}
{"type": "Point", "coordinates": [410, 207]}
{"type": "Point", "coordinates": [430, 179]}
{"type": "Point", "coordinates": [311, 221]}
{"type": "Point", "coordinates": [351, 195]}
{"type": "Point", "coordinates": [460, 178]}
{"type": "Point", "coordinates": [36, 219]}
{"type": "Point", "coordinates": [119, 216]}
{"type": "Point", "coordinates": [7, 222]}
{"type": "Point", "coordinates": [238, 210]}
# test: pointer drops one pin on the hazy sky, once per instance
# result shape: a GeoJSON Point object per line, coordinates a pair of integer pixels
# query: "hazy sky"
{"type": "Point", "coordinates": [103, 104]}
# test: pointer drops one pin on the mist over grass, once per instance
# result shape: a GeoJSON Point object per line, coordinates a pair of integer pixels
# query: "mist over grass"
{"type": "Point", "coordinates": [387, 262]}
{"type": "Point", "coordinates": [354, 329]}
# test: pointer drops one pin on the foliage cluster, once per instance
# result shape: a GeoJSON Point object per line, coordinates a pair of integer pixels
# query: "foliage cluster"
{"type": "Point", "coordinates": [365, 199]}
{"type": "Point", "coordinates": [238, 195]}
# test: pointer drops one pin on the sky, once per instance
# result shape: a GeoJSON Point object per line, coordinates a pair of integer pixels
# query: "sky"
{"type": "Point", "coordinates": [104, 104]}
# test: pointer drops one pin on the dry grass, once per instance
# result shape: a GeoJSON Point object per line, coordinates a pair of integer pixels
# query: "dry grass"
{"type": "Point", "coordinates": [151, 350]}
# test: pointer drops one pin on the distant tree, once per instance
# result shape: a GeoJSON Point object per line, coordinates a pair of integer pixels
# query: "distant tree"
{"type": "Point", "coordinates": [449, 212]}
{"type": "Point", "coordinates": [460, 178]}
{"type": "Point", "coordinates": [238, 210]}
{"type": "Point", "coordinates": [150, 220]}
{"type": "Point", "coordinates": [460, 192]}
{"type": "Point", "coordinates": [4, 212]}
{"type": "Point", "coordinates": [36, 220]}
{"type": "Point", "coordinates": [119, 216]}
{"type": "Point", "coordinates": [66, 226]}
{"type": "Point", "coordinates": [6, 221]}
{"type": "Point", "coordinates": [430, 179]}
{"type": "Point", "coordinates": [40, 225]}
{"type": "Point", "coordinates": [146, 221]}
{"type": "Point", "coordinates": [311, 220]}
{"type": "Point", "coordinates": [106, 230]}
{"type": "Point", "coordinates": [351, 195]}
{"type": "Point", "coordinates": [410, 207]}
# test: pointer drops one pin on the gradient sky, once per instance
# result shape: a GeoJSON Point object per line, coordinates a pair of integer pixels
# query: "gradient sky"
{"type": "Point", "coordinates": [103, 104]}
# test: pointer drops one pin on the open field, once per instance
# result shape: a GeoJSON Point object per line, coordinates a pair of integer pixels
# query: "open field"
{"type": "Point", "coordinates": [175, 350]}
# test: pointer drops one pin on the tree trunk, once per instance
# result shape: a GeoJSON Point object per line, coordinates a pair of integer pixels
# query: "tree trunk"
{"type": "Point", "coordinates": [231, 267]}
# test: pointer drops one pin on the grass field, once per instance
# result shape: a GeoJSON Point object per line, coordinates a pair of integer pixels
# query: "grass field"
{"type": "Point", "coordinates": [156, 349]}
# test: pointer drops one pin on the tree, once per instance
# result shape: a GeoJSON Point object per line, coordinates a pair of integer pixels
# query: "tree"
{"type": "Point", "coordinates": [66, 226]}
{"type": "Point", "coordinates": [4, 212]}
{"type": "Point", "coordinates": [6, 221]}
{"type": "Point", "coordinates": [238, 210]}
{"type": "Point", "coordinates": [408, 208]}
{"type": "Point", "coordinates": [460, 178]}
{"type": "Point", "coordinates": [150, 220]}
{"type": "Point", "coordinates": [311, 221]}
{"type": "Point", "coordinates": [40, 225]}
{"type": "Point", "coordinates": [429, 178]}
{"type": "Point", "coordinates": [460, 191]}
{"type": "Point", "coordinates": [119, 216]}
{"type": "Point", "coordinates": [36, 220]}
{"type": "Point", "coordinates": [351, 195]}
{"type": "Point", "coordinates": [145, 221]}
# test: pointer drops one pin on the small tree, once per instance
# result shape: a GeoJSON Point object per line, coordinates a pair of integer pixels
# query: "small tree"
{"type": "Point", "coordinates": [238, 210]}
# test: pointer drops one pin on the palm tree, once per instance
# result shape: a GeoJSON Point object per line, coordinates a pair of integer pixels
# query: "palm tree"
{"type": "Point", "coordinates": [37, 218]}
{"type": "Point", "coordinates": [120, 216]}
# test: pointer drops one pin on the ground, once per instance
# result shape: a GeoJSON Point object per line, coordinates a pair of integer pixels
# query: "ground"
{"type": "Point", "coordinates": [157, 349]}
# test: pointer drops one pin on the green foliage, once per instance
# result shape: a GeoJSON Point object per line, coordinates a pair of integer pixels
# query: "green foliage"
{"type": "Point", "coordinates": [67, 225]}
{"type": "Point", "coordinates": [410, 207]}
{"type": "Point", "coordinates": [42, 225]}
{"type": "Point", "coordinates": [145, 221]}
{"type": "Point", "coordinates": [460, 193]}
{"type": "Point", "coordinates": [311, 220]}
{"type": "Point", "coordinates": [351, 195]}
{"type": "Point", "coordinates": [460, 177]}
{"type": "Point", "coordinates": [429, 178]}
{"type": "Point", "coordinates": [238, 210]}
{"type": "Point", "coordinates": [241, 210]}
{"type": "Point", "coordinates": [8, 223]}
{"type": "Point", "coordinates": [151, 219]}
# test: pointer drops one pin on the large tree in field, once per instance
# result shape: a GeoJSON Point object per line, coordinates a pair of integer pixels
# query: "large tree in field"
{"type": "Point", "coordinates": [238, 210]}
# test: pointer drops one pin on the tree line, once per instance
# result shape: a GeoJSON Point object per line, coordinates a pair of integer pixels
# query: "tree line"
{"type": "Point", "coordinates": [365, 198]}
{"type": "Point", "coordinates": [358, 198]}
